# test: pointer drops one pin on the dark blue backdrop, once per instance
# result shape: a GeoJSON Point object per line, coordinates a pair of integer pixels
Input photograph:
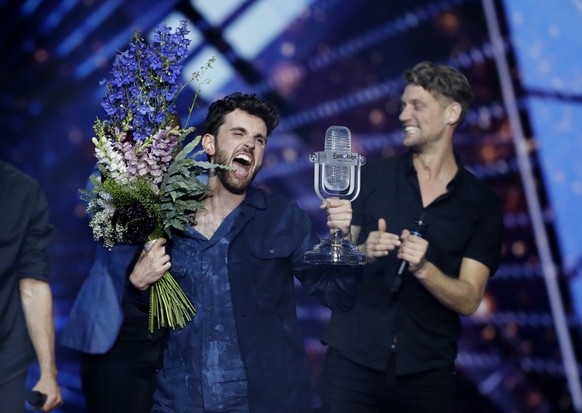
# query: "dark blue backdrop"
{"type": "Point", "coordinates": [338, 62]}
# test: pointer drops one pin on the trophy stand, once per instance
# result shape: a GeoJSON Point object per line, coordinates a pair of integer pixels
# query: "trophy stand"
{"type": "Point", "coordinates": [337, 174]}
{"type": "Point", "coordinates": [335, 250]}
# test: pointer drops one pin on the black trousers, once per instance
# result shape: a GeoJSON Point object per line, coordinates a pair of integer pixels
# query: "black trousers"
{"type": "Point", "coordinates": [347, 387]}
{"type": "Point", "coordinates": [123, 380]}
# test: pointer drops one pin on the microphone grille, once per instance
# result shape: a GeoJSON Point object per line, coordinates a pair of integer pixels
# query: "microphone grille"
{"type": "Point", "coordinates": [338, 139]}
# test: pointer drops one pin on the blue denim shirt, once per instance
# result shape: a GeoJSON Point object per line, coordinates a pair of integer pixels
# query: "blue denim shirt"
{"type": "Point", "coordinates": [269, 238]}
{"type": "Point", "coordinates": [210, 376]}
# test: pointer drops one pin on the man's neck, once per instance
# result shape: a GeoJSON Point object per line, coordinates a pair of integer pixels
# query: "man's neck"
{"type": "Point", "coordinates": [437, 165]}
{"type": "Point", "coordinates": [216, 208]}
{"type": "Point", "coordinates": [222, 201]}
{"type": "Point", "coordinates": [434, 174]}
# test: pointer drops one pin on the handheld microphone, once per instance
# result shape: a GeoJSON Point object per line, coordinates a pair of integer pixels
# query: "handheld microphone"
{"type": "Point", "coordinates": [338, 143]}
{"type": "Point", "coordinates": [36, 399]}
{"type": "Point", "coordinates": [418, 227]}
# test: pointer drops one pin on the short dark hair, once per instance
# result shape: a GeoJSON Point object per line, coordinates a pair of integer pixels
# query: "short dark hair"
{"type": "Point", "coordinates": [442, 80]}
{"type": "Point", "coordinates": [249, 103]}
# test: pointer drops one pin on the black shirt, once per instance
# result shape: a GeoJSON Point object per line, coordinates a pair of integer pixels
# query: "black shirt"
{"type": "Point", "coordinates": [467, 221]}
{"type": "Point", "coordinates": [25, 232]}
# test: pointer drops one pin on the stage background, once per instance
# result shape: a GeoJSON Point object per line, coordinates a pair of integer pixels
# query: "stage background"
{"type": "Point", "coordinates": [338, 62]}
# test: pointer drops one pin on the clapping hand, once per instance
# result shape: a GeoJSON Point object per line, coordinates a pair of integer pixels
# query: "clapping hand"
{"type": "Point", "coordinates": [379, 243]}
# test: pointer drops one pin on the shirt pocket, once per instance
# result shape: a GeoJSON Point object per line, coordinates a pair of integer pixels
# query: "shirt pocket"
{"type": "Point", "coordinates": [272, 247]}
{"type": "Point", "coordinates": [269, 270]}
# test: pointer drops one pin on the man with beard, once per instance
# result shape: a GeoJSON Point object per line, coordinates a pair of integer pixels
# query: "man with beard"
{"type": "Point", "coordinates": [432, 235]}
{"type": "Point", "coordinates": [243, 351]}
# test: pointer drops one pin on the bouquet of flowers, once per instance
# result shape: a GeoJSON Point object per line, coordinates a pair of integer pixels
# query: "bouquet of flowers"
{"type": "Point", "coordinates": [148, 179]}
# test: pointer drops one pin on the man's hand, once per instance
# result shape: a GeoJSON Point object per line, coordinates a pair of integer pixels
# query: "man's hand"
{"type": "Point", "coordinates": [339, 215]}
{"type": "Point", "coordinates": [413, 250]}
{"type": "Point", "coordinates": [37, 304]}
{"type": "Point", "coordinates": [152, 263]}
{"type": "Point", "coordinates": [379, 243]}
{"type": "Point", "coordinates": [48, 386]}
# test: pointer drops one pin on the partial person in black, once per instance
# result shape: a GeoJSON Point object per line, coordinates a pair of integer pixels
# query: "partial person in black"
{"type": "Point", "coordinates": [26, 307]}
{"type": "Point", "coordinates": [396, 350]}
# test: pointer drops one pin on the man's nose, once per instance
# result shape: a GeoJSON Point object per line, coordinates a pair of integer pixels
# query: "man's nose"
{"type": "Point", "coordinates": [249, 142]}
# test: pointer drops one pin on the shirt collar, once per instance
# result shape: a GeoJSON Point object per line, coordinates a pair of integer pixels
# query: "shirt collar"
{"type": "Point", "coordinates": [255, 198]}
{"type": "Point", "coordinates": [457, 180]}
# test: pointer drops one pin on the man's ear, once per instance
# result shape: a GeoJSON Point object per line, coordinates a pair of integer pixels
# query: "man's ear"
{"type": "Point", "coordinates": [208, 144]}
{"type": "Point", "coordinates": [454, 113]}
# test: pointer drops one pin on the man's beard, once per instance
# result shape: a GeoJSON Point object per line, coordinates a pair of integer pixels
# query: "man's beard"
{"type": "Point", "coordinates": [230, 183]}
{"type": "Point", "coordinates": [424, 141]}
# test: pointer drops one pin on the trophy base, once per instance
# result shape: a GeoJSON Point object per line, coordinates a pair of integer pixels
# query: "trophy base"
{"type": "Point", "coordinates": [335, 251]}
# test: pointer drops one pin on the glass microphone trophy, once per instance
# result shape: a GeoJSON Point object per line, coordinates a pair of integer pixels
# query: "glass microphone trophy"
{"type": "Point", "coordinates": [337, 174]}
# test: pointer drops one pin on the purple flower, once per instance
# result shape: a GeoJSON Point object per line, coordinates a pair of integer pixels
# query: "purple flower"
{"type": "Point", "coordinates": [141, 94]}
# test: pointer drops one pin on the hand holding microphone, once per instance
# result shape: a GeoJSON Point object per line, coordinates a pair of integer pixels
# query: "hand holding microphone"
{"type": "Point", "coordinates": [412, 251]}
{"type": "Point", "coordinates": [51, 397]}
{"type": "Point", "coordinates": [36, 399]}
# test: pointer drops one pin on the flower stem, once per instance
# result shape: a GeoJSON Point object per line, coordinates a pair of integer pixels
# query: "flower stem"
{"type": "Point", "coordinates": [169, 305]}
